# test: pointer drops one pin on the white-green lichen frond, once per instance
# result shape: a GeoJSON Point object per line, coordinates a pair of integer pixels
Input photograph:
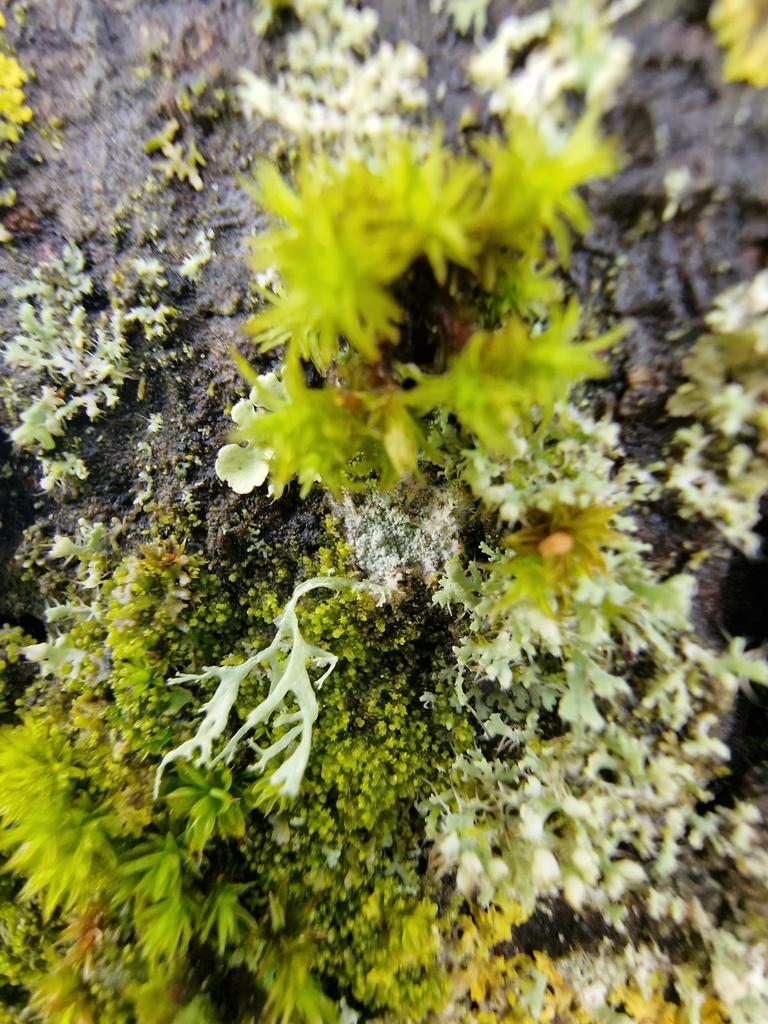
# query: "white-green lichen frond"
{"type": "Point", "coordinates": [562, 488]}
{"type": "Point", "coordinates": [720, 469]}
{"type": "Point", "coordinates": [466, 15]}
{"type": "Point", "coordinates": [246, 466]}
{"type": "Point", "coordinates": [192, 265]}
{"type": "Point", "coordinates": [84, 363]}
{"type": "Point", "coordinates": [59, 471]}
{"type": "Point", "coordinates": [155, 319]}
{"type": "Point", "coordinates": [177, 163]}
{"type": "Point", "coordinates": [146, 306]}
{"type": "Point", "coordinates": [566, 48]}
{"type": "Point", "coordinates": [287, 662]}
{"type": "Point", "coordinates": [567, 616]}
{"type": "Point", "coordinates": [336, 90]}
{"type": "Point", "coordinates": [735, 975]}
{"type": "Point", "coordinates": [678, 184]}
{"type": "Point", "coordinates": [594, 816]}
{"type": "Point", "coordinates": [55, 337]}
{"type": "Point", "coordinates": [723, 488]}
{"type": "Point", "coordinates": [90, 551]}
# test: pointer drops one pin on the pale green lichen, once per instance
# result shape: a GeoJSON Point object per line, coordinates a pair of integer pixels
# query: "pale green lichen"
{"type": "Point", "coordinates": [566, 47]}
{"type": "Point", "coordinates": [608, 811]}
{"type": "Point", "coordinates": [336, 89]}
{"type": "Point", "coordinates": [84, 362]}
{"type": "Point", "coordinates": [192, 265]}
{"type": "Point", "coordinates": [78, 360]}
{"type": "Point", "coordinates": [61, 472]}
{"type": "Point", "coordinates": [466, 15]}
{"type": "Point", "coordinates": [720, 470]}
{"type": "Point", "coordinates": [247, 466]}
{"type": "Point", "coordinates": [178, 163]}
{"type": "Point", "coordinates": [146, 308]}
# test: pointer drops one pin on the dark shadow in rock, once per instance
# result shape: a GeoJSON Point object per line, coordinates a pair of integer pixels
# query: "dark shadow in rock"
{"type": "Point", "coordinates": [557, 929]}
{"type": "Point", "coordinates": [18, 597]}
{"type": "Point", "coordinates": [744, 609]}
{"type": "Point", "coordinates": [16, 502]}
{"type": "Point", "coordinates": [745, 593]}
{"type": "Point", "coordinates": [31, 624]}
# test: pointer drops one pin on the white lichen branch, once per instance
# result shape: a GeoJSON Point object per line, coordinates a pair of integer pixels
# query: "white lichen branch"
{"type": "Point", "coordinates": [287, 660]}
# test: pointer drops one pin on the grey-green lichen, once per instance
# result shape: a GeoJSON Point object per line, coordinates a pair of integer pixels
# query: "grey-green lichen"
{"type": "Point", "coordinates": [720, 470]}
{"type": "Point", "coordinates": [337, 89]}
{"type": "Point", "coordinates": [408, 531]}
{"type": "Point", "coordinates": [534, 62]}
{"type": "Point", "coordinates": [80, 364]}
{"type": "Point", "coordinates": [68, 362]}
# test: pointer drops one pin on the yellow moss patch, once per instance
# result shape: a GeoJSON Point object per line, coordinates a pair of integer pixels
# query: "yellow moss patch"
{"type": "Point", "coordinates": [13, 110]}
{"type": "Point", "coordinates": [741, 28]}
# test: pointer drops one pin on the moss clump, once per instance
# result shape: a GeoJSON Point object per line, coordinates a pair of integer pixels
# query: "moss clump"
{"type": "Point", "coordinates": [221, 872]}
{"type": "Point", "coordinates": [353, 235]}
{"type": "Point", "coordinates": [375, 743]}
{"type": "Point", "coordinates": [164, 613]}
{"type": "Point", "coordinates": [14, 113]}
{"type": "Point", "coordinates": [369, 224]}
{"type": "Point", "coordinates": [26, 943]}
{"type": "Point", "coordinates": [741, 28]}
{"type": "Point", "coordinates": [155, 613]}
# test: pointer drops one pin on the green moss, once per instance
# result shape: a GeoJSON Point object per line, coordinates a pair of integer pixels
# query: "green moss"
{"type": "Point", "coordinates": [165, 614]}
{"type": "Point", "coordinates": [347, 241]}
{"type": "Point", "coordinates": [26, 942]}
{"type": "Point", "coordinates": [400, 968]}
{"type": "Point", "coordinates": [14, 113]}
{"type": "Point", "coordinates": [375, 745]}
{"type": "Point", "coordinates": [200, 868]}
